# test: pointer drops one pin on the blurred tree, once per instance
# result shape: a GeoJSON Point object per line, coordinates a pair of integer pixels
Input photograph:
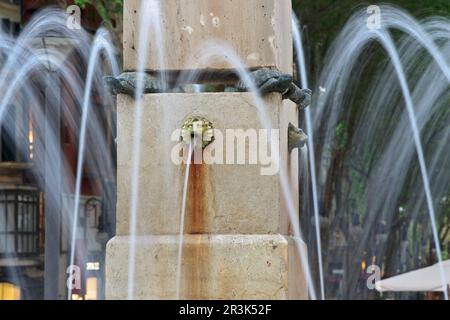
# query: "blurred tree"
{"type": "Point", "coordinates": [350, 165]}
{"type": "Point", "coordinates": [111, 13]}
{"type": "Point", "coordinates": [323, 19]}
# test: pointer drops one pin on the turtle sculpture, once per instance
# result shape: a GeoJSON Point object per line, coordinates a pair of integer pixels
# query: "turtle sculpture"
{"type": "Point", "coordinates": [266, 80]}
{"type": "Point", "coordinates": [269, 80]}
{"type": "Point", "coordinates": [296, 138]}
{"type": "Point", "coordinates": [126, 83]}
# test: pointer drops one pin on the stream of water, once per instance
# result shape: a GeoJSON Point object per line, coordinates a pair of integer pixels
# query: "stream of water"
{"type": "Point", "coordinates": [375, 167]}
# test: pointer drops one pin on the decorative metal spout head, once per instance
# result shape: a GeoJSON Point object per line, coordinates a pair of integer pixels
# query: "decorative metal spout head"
{"type": "Point", "coordinates": [197, 128]}
{"type": "Point", "coordinates": [296, 137]}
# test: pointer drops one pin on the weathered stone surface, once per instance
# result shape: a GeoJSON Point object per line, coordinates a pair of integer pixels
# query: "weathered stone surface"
{"type": "Point", "coordinates": [213, 267]}
{"type": "Point", "coordinates": [222, 198]}
{"type": "Point", "coordinates": [188, 25]}
{"type": "Point", "coordinates": [236, 244]}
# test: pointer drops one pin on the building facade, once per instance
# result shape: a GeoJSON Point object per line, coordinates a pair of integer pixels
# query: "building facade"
{"type": "Point", "coordinates": [26, 216]}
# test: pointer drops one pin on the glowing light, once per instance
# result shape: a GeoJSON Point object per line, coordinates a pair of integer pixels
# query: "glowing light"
{"type": "Point", "coordinates": [93, 266]}
{"type": "Point", "coordinates": [76, 297]}
{"type": "Point", "coordinates": [91, 289]}
{"type": "Point", "coordinates": [9, 292]}
{"type": "Point", "coordinates": [363, 265]}
{"type": "Point", "coordinates": [30, 140]}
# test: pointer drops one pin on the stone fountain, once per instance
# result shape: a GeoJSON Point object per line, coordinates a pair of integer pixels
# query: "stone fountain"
{"type": "Point", "coordinates": [237, 234]}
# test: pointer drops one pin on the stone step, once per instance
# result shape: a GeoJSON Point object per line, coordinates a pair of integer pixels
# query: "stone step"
{"type": "Point", "coordinates": [231, 267]}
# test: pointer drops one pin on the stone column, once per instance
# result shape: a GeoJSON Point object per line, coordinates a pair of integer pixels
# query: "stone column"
{"type": "Point", "coordinates": [237, 241]}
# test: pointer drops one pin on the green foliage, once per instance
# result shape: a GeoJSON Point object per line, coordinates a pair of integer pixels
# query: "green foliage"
{"type": "Point", "coordinates": [341, 136]}
{"type": "Point", "coordinates": [323, 19]}
{"type": "Point", "coordinates": [104, 8]}
{"type": "Point", "coordinates": [352, 163]}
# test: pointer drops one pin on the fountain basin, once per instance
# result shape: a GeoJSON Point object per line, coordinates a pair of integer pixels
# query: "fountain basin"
{"type": "Point", "coordinates": [213, 267]}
